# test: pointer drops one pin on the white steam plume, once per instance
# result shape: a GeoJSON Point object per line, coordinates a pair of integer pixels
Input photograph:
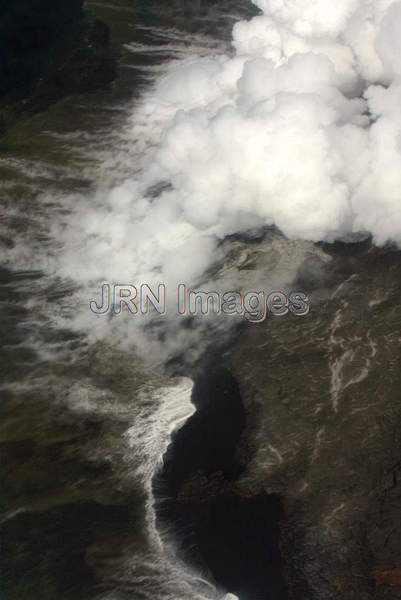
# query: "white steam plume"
{"type": "Point", "coordinates": [300, 127]}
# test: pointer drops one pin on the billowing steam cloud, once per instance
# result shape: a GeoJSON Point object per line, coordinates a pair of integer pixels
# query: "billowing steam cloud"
{"type": "Point", "coordinates": [300, 127]}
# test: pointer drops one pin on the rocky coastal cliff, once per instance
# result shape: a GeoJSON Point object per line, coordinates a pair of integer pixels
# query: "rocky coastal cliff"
{"type": "Point", "coordinates": [323, 399]}
{"type": "Point", "coordinates": [321, 436]}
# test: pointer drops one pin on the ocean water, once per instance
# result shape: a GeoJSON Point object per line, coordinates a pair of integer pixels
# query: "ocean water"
{"type": "Point", "coordinates": [85, 420]}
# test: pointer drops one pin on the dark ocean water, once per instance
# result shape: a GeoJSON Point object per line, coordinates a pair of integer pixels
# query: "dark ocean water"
{"type": "Point", "coordinates": [83, 425]}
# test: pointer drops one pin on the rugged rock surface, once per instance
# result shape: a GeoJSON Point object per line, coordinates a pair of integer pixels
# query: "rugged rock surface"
{"type": "Point", "coordinates": [322, 395]}
{"type": "Point", "coordinates": [322, 431]}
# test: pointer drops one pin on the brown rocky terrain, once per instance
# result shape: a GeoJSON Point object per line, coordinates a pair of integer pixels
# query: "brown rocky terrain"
{"type": "Point", "coordinates": [321, 431]}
